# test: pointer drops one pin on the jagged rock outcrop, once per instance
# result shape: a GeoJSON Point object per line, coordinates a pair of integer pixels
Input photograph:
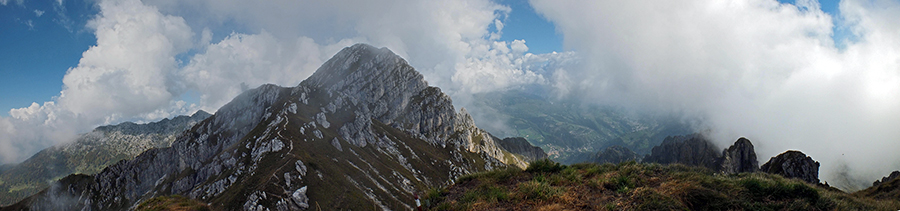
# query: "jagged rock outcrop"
{"type": "Point", "coordinates": [696, 150]}
{"type": "Point", "coordinates": [793, 164]}
{"type": "Point", "coordinates": [365, 130]}
{"type": "Point", "coordinates": [740, 157]}
{"type": "Point", "coordinates": [89, 153]}
{"type": "Point", "coordinates": [616, 154]}
{"type": "Point", "coordinates": [520, 146]}
{"type": "Point", "coordinates": [888, 178]}
{"type": "Point", "coordinates": [692, 150]}
{"type": "Point", "coordinates": [888, 188]}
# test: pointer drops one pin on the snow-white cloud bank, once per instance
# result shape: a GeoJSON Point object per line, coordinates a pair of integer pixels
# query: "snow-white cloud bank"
{"type": "Point", "coordinates": [756, 68]}
{"type": "Point", "coordinates": [159, 58]}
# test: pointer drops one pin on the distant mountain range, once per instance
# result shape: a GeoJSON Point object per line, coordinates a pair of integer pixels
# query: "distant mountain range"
{"type": "Point", "coordinates": [572, 131]}
{"type": "Point", "coordinates": [364, 131]}
{"type": "Point", "coordinates": [89, 154]}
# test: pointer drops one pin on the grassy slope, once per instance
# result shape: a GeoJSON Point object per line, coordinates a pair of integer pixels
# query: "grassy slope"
{"type": "Point", "coordinates": [571, 132]}
{"type": "Point", "coordinates": [174, 202]}
{"type": "Point", "coordinates": [635, 186]}
{"type": "Point", "coordinates": [886, 190]}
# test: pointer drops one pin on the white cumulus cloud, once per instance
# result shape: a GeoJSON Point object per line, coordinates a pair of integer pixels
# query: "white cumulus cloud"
{"type": "Point", "coordinates": [755, 68]}
{"type": "Point", "coordinates": [152, 56]}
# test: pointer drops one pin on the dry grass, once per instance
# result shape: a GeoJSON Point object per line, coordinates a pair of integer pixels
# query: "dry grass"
{"type": "Point", "coordinates": [632, 186]}
{"type": "Point", "coordinates": [172, 203]}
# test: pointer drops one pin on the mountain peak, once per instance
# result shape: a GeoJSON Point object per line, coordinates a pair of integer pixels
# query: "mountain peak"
{"type": "Point", "coordinates": [362, 63]}
{"type": "Point", "coordinates": [201, 113]}
{"type": "Point", "coordinates": [364, 130]}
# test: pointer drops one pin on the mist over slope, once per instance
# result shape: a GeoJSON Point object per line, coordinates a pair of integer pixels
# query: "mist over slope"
{"type": "Point", "coordinates": [89, 154]}
{"type": "Point", "coordinates": [570, 130]}
{"type": "Point", "coordinates": [788, 76]}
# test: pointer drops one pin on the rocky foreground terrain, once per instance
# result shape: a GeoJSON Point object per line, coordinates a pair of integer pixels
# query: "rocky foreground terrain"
{"type": "Point", "coordinates": [364, 131]}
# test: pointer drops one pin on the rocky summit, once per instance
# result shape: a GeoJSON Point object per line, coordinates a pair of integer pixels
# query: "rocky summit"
{"type": "Point", "coordinates": [364, 131]}
{"type": "Point", "coordinates": [793, 164]}
{"type": "Point", "coordinates": [740, 157]}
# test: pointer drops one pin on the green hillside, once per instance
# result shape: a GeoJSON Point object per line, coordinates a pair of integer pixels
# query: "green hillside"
{"type": "Point", "coordinates": [636, 186]}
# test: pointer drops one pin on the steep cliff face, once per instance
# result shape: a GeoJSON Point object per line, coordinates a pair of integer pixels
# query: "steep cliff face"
{"type": "Point", "coordinates": [793, 164]}
{"type": "Point", "coordinates": [364, 131]}
{"type": "Point", "coordinates": [740, 157]}
{"type": "Point", "coordinates": [692, 150]}
{"type": "Point", "coordinates": [89, 154]}
{"type": "Point", "coordinates": [520, 146]}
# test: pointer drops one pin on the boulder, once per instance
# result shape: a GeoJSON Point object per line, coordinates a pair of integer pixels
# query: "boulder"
{"type": "Point", "coordinates": [793, 164]}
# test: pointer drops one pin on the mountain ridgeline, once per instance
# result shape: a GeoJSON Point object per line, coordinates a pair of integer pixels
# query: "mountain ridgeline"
{"type": "Point", "coordinates": [364, 131]}
{"type": "Point", "coordinates": [89, 154]}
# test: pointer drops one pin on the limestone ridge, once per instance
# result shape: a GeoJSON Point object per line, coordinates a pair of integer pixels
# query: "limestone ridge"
{"type": "Point", "coordinates": [364, 130]}
{"type": "Point", "coordinates": [793, 164]}
{"type": "Point", "coordinates": [390, 91]}
{"type": "Point", "coordinates": [89, 153]}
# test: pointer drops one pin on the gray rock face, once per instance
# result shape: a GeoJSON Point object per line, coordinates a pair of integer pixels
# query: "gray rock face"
{"type": "Point", "coordinates": [793, 164]}
{"type": "Point", "coordinates": [519, 145]}
{"type": "Point", "coordinates": [364, 130]}
{"type": "Point", "coordinates": [888, 178]}
{"type": "Point", "coordinates": [616, 154]}
{"type": "Point", "coordinates": [692, 150]}
{"type": "Point", "coordinates": [696, 150]}
{"type": "Point", "coordinates": [740, 157]}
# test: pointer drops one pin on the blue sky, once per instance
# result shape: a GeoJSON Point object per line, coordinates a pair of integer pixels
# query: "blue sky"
{"type": "Point", "coordinates": [37, 50]}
